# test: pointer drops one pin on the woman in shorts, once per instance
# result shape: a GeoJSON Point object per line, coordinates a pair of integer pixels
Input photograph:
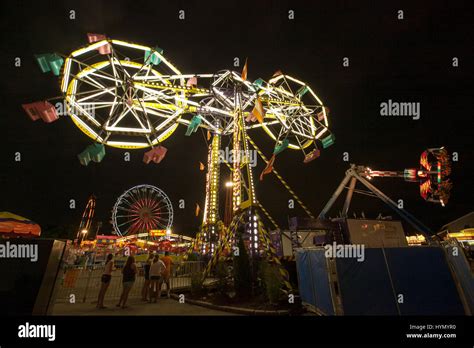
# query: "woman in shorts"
{"type": "Point", "coordinates": [129, 272]}
{"type": "Point", "coordinates": [146, 283]}
{"type": "Point", "coordinates": [156, 271]}
{"type": "Point", "coordinates": [105, 280]}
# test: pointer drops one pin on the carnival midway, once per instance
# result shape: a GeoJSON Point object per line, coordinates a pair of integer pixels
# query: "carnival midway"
{"type": "Point", "coordinates": [129, 96]}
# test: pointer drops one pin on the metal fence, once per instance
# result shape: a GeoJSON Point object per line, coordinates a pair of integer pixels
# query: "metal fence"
{"type": "Point", "coordinates": [84, 283]}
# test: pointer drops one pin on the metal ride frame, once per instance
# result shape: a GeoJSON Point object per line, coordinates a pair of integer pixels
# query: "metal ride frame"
{"type": "Point", "coordinates": [362, 174]}
{"type": "Point", "coordinates": [139, 98]}
{"type": "Point", "coordinates": [157, 97]}
{"type": "Point", "coordinates": [432, 176]}
{"type": "Point", "coordinates": [87, 216]}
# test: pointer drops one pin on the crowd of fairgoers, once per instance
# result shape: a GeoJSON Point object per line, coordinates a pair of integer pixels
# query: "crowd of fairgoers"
{"type": "Point", "coordinates": [156, 271]}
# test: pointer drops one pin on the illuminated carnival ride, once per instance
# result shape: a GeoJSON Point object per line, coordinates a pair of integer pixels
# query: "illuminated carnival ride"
{"type": "Point", "coordinates": [86, 219]}
{"type": "Point", "coordinates": [131, 96]}
{"type": "Point", "coordinates": [141, 209]}
{"type": "Point", "coordinates": [142, 217]}
{"type": "Point", "coordinates": [432, 176]}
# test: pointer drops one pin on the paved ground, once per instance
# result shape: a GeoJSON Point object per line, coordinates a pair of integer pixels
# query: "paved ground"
{"type": "Point", "coordinates": [164, 306]}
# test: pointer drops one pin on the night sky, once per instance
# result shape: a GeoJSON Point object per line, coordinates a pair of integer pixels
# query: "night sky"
{"type": "Point", "coordinates": [407, 60]}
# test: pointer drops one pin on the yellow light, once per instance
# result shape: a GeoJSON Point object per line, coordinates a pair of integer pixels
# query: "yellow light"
{"type": "Point", "coordinates": [321, 133]}
{"type": "Point", "coordinates": [467, 233]}
{"type": "Point", "coordinates": [128, 129]}
{"type": "Point", "coordinates": [89, 48]}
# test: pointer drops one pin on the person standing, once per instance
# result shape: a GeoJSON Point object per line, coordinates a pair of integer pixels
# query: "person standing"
{"type": "Point", "coordinates": [146, 283]}
{"type": "Point", "coordinates": [105, 280]}
{"type": "Point", "coordinates": [168, 261]}
{"type": "Point", "coordinates": [129, 272]}
{"type": "Point", "coordinates": [156, 271]}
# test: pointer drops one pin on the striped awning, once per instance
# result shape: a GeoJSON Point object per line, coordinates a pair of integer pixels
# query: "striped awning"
{"type": "Point", "coordinates": [18, 226]}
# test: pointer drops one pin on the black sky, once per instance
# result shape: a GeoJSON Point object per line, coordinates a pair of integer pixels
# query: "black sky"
{"type": "Point", "coordinates": [403, 60]}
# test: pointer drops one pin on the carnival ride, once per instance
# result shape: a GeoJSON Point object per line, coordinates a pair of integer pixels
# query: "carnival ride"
{"type": "Point", "coordinates": [86, 219]}
{"type": "Point", "coordinates": [130, 96]}
{"type": "Point", "coordinates": [141, 217]}
{"type": "Point", "coordinates": [142, 209]}
{"type": "Point", "coordinates": [171, 242]}
{"type": "Point", "coordinates": [432, 176]}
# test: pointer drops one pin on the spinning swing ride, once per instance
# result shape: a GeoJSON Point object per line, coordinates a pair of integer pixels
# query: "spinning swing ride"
{"type": "Point", "coordinates": [131, 96]}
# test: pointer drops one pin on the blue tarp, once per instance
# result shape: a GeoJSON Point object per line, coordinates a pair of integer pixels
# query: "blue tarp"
{"type": "Point", "coordinates": [371, 287]}
{"type": "Point", "coordinates": [304, 277]}
{"type": "Point", "coordinates": [321, 285]}
{"type": "Point", "coordinates": [422, 276]}
{"type": "Point", "coordinates": [365, 286]}
{"type": "Point", "coordinates": [313, 280]}
{"type": "Point", "coordinates": [463, 273]}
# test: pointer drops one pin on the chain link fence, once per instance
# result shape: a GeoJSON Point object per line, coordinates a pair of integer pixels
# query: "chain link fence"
{"type": "Point", "coordinates": [84, 282]}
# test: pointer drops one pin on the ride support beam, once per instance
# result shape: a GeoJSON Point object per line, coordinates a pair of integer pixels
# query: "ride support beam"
{"type": "Point", "coordinates": [211, 211]}
{"type": "Point", "coordinates": [209, 228]}
{"type": "Point", "coordinates": [335, 195]}
{"type": "Point", "coordinates": [347, 202]}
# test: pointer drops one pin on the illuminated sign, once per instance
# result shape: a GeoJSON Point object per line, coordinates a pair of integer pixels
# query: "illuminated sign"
{"type": "Point", "coordinates": [157, 233]}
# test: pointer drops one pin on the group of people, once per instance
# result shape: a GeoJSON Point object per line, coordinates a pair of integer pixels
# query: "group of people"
{"type": "Point", "coordinates": [156, 272]}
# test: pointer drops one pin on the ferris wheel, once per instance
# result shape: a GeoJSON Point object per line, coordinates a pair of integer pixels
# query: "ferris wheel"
{"type": "Point", "coordinates": [140, 209]}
